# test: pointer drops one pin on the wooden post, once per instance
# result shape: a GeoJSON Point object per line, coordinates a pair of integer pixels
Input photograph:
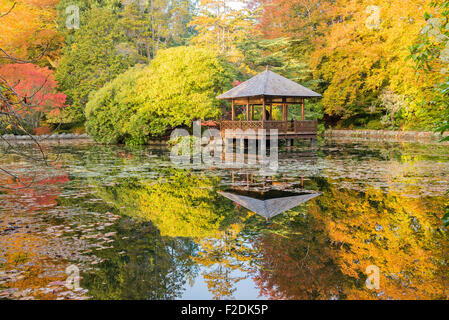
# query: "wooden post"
{"type": "Point", "coordinates": [247, 110]}
{"type": "Point", "coordinates": [284, 114]}
{"type": "Point", "coordinates": [233, 110]}
{"type": "Point", "coordinates": [302, 109]}
{"type": "Point", "coordinates": [264, 116]}
{"type": "Point", "coordinates": [252, 112]}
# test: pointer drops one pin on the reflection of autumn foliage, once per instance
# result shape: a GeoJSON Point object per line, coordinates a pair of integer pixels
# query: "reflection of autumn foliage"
{"type": "Point", "coordinates": [299, 265]}
{"type": "Point", "coordinates": [43, 193]}
{"type": "Point", "coordinates": [227, 259]}
{"type": "Point", "coordinates": [343, 232]}
{"type": "Point", "coordinates": [21, 252]}
{"type": "Point", "coordinates": [180, 205]}
{"type": "Point", "coordinates": [401, 235]}
{"type": "Point", "coordinates": [187, 205]}
{"type": "Point", "coordinates": [26, 266]}
{"type": "Point", "coordinates": [41, 196]}
{"type": "Point", "coordinates": [142, 265]}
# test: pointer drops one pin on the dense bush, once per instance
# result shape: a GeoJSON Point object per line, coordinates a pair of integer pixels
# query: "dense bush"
{"type": "Point", "coordinates": [179, 86]}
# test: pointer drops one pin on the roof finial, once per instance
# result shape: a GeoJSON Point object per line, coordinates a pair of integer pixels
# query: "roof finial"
{"type": "Point", "coordinates": [267, 67]}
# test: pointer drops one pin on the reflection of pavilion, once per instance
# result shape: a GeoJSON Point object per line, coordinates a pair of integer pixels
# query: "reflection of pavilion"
{"type": "Point", "coordinates": [267, 200]}
{"type": "Point", "coordinates": [269, 203]}
{"type": "Point", "coordinates": [254, 158]}
{"type": "Point", "coordinates": [251, 181]}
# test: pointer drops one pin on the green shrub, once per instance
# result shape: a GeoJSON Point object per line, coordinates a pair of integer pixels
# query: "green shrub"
{"type": "Point", "coordinates": [179, 86]}
{"type": "Point", "coordinates": [110, 108]}
{"type": "Point", "coordinates": [374, 125]}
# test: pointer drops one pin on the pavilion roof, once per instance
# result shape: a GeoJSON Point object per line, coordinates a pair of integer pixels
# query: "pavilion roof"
{"type": "Point", "coordinates": [269, 83]}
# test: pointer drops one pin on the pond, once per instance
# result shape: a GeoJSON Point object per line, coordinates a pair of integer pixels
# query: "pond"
{"type": "Point", "coordinates": [134, 226]}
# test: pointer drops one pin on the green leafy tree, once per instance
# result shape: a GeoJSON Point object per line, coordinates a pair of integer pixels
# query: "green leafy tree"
{"type": "Point", "coordinates": [220, 27]}
{"type": "Point", "coordinates": [179, 86]}
{"type": "Point", "coordinates": [431, 55]}
{"type": "Point", "coordinates": [92, 60]}
{"type": "Point", "coordinates": [156, 24]}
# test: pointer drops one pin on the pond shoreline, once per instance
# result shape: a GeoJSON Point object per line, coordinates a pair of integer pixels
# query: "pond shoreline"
{"type": "Point", "coordinates": [387, 135]}
{"type": "Point", "coordinates": [355, 135]}
{"type": "Point", "coordinates": [62, 136]}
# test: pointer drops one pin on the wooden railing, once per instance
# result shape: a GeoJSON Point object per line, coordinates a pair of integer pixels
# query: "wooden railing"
{"type": "Point", "coordinates": [228, 124]}
{"type": "Point", "coordinates": [293, 126]}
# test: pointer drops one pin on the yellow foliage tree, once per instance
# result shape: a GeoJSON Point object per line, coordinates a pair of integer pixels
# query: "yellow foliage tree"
{"type": "Point", "coordinates": [29, 28]}
{"type": "Point", "coordinates": [365, 50]}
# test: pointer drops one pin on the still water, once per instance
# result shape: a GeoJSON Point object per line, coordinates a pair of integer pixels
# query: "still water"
{"type": "Point", "coordinates": [136, 227]}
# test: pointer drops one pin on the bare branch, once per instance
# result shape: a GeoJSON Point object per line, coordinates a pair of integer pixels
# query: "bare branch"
{"type": "Point", "coordinates": [9, 11]}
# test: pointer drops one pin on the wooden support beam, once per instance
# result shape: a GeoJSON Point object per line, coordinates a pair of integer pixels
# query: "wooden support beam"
{"type": "Point", "coordinates": [233, 111]}
{"type": "Point", "coordinates": [284, 110]}
{"type": "Point", "coordinates": [264, 115]}
{"type": "Point", "coordinates": [252, 112]}
{"type": "Point", "coordinates": [247, 110]}
{"type": "Point", "coordinates": [302, 109]}
{"type": "Point", "coordinates": [285, 114]}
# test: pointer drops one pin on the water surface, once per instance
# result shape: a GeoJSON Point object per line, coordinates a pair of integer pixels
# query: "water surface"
{"type": "Point", "coordinates": [137, 227]}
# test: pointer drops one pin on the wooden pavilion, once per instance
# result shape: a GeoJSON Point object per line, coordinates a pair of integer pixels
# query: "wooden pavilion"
{"type": "Point", "coordinates": [266, 90]}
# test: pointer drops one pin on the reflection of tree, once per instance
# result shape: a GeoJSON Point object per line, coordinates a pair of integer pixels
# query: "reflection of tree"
{"type": "Point", "coordinates": [227, 258]}
{"type": "Point", "coordinates": [43, 191]}
{"type": "Point", "coordinates": [180, 205]}
{"type": "Point", "coordinates": [296, 260]}
{"type": "Point", "coordinates": [25, 266]}
{"type": "Point", "coordinates": [401, 235]}
{"type": "Point", "coordinates": [343, 232]}
{"type": "Point", "coordinates": [141, 265]}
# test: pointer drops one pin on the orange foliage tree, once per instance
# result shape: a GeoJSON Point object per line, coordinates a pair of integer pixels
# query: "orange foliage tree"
{"type": "Point", "coordinates": [29, 30]}
{"type": "Point", "coordinates": [38, 88]}
{"type": "Point", "coordinates": [359, 49]}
